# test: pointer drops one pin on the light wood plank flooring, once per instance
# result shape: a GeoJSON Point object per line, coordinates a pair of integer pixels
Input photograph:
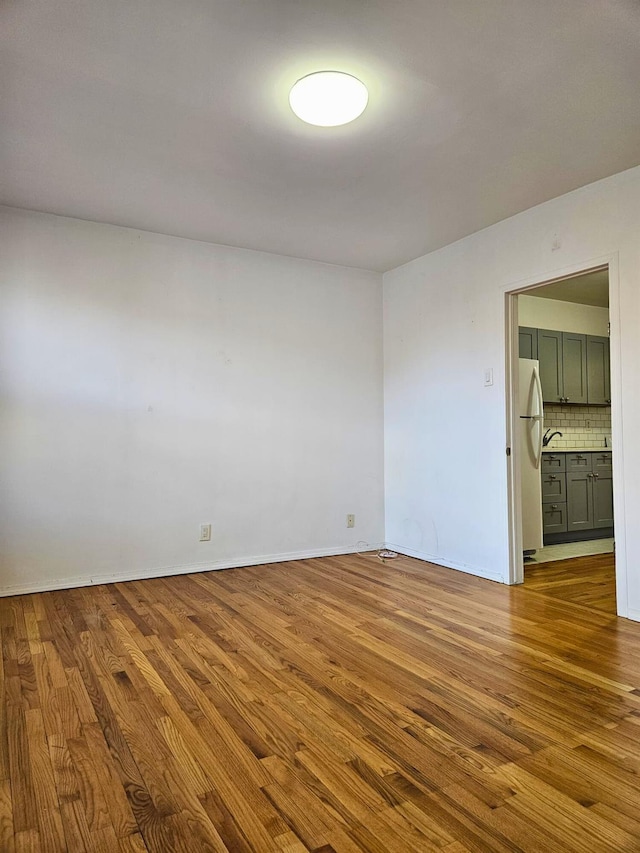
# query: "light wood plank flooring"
{"type": "Point", "coordinates": [332, 705]}
{"type": "Point", "coordinates": [590, 581]}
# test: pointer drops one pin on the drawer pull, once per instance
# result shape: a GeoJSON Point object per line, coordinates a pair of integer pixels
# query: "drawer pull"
{"type": "Point", "coordinates": [554, 506]}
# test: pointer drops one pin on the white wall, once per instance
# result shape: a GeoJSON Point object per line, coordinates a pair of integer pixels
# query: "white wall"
{"type": "Point", "coordinates": [543, 313]}
{"type": "Point", "coordinates": [151, 384]}
{"type": "Point", "coordinates": [444, 323]}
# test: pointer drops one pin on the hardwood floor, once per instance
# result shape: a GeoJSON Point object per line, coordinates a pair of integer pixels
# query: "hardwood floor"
{"type": "Point", "coordinates": [590, 581]}
{"type": "Point", "coordinates": [336, 704]}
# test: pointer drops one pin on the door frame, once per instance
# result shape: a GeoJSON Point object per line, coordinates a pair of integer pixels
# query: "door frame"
{"type": "Point", "coordinates": [511, 292]}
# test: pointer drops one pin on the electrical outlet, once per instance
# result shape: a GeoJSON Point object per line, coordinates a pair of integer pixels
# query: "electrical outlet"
{"type": "Point", "coordinates": [587, 426]}
{"type": "Point", "coordinates": [351, 521]}
{"type": "Point", "coordinates": [205, 533]}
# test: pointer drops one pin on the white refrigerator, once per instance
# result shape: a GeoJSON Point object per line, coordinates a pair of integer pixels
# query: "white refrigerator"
{"type": "Point", "coordinates": [531, 412]}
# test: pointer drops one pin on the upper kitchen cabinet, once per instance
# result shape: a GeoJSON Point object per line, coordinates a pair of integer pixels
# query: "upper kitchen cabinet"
{"type": "Point", "coordinates": [574, 368]}
{"type": "Point", "coordinates": [598, 371]}
{"type": "Point", "coordinates": [528, 342]}
{"type": "Point", "coordinates": [551, 365]}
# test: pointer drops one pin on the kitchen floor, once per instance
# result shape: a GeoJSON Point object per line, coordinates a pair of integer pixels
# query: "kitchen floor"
{"type": "Point", "coordinates": [568, 550]}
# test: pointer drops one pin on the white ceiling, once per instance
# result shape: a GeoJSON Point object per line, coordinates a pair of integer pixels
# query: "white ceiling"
{"type": "Point", "coordinates": [172, 116]}
{"type": "Point", "coordinates": [589, 289]}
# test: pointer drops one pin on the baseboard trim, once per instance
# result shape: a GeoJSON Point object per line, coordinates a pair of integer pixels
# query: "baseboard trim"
{"type": "Point", "coordinates": [167, 571]}
{"type": "Point", "coordinates": [634, 615]}
{"type": "Point", "coordinates": [447, 564]}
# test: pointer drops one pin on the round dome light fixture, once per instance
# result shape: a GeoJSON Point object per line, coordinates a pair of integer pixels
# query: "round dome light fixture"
{"type": "Point", "coordinates": [328, 98]}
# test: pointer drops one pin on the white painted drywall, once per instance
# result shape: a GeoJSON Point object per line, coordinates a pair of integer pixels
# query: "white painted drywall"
{"type": "Point", "coordinates": [543, 313]}
{"type": "Point", "coordinates": [151, 384]}
{"type": "Point", "coordinates": [444, 323]}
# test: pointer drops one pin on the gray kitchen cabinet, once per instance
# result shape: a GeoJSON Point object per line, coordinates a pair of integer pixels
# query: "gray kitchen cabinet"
{"type": "Point", "coordinates": [574, 367]}
{"type": "Point", "coordinates": [528, 342]}
{"type": "Point", "coordinates": [602, 486]}
{"type": "Point", "coordinates": [554, 488]}
{"type": "Point", "coordinates": [602, 462]}
{"type": "Point", "coordinates": [551, 365]}
{"type": "Point", "coordinates": [553, 463]}
{"type": "Point", "coordinates": [577, 494]}
{"type": "Point", "coordinates": [579, 500]}
{"type": "Point", "coordinates": [598, 371]}
{"type": "Point", "coordinates": [554, 518]}
{"type": "Point", "coordinates": [578, 461]}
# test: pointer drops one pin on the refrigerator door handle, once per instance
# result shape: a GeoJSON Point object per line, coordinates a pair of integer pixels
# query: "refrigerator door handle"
{"type": "Point", "coordinates": [539, 416]}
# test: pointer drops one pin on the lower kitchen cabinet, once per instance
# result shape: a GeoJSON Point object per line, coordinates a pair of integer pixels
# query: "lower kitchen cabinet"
{"type": "Point", "coordinates": [579, 500]}
{"type": "Point", "coordinates": [601, 462]}
{"type": "Point", "coordinates": [579, 462]}
{"type": "Point", "coordinates": [577, 495]}
{"type": "Point", "coordinates": [602, 485]}
{"type": "Point", "coordinates": [554, 487]}
{"type": "Point", "coordinates": [554, 518]}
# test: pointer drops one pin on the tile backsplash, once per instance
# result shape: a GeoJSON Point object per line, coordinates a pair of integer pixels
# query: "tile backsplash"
{"type": "Point", "coordinates": [581, 426]}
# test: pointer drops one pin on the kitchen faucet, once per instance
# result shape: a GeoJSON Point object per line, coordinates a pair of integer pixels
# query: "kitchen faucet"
{"type": "Point", "coordinates": [546, 438]}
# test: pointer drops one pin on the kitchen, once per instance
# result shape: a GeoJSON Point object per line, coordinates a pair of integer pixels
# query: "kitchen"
{"type": "Point", "coordinates": [566, 419]}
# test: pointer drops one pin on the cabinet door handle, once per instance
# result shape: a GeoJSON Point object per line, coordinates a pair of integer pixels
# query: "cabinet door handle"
{"type": "Point", "coordinates": [590, 475]}
{"type": "Point", "coordinates": [554, 506]}
{"type": "Point", "coordinates": [596, 476]}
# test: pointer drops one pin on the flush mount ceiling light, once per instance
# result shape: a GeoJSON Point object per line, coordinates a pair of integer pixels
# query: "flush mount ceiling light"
{"type": "Point", "coordinates": [328, 98]}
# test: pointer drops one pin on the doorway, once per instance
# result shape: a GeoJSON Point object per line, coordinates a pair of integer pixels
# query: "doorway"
{"type": "Point", "coordinates": [559, 332]}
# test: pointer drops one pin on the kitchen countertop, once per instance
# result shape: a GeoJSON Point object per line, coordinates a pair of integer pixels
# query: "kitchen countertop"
{"type": "Point", "coordinates": [577, 449]}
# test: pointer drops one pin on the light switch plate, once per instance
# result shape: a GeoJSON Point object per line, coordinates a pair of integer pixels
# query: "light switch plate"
{"type": "Point", "coordinates": [488, 376]}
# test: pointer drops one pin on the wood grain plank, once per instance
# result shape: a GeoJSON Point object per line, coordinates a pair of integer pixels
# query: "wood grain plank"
{"type": "Point", "coordinates": [7, 837]}
{"type": "Point", "coordinates": [45, 792]}
{"type": "Point", "coordinates": [322, 706]}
